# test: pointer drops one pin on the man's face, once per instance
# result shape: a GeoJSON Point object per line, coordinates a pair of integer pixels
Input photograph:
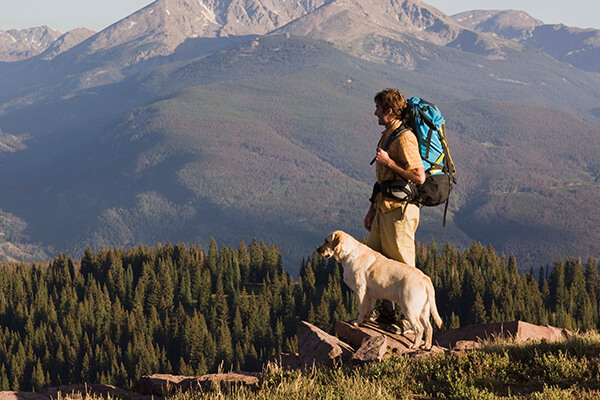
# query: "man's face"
{"type": "Point", "coordinates": [383, 117]}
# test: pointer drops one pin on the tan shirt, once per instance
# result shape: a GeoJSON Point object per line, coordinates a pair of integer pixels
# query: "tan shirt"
{"type": "Point", "coordinates": [405, 152]}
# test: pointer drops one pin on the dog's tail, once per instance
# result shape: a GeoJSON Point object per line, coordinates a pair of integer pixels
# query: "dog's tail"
{"type": "Point", "coordinates": [432, 305]}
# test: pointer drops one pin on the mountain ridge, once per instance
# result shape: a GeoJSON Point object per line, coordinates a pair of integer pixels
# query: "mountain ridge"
{"type": "Point", "coordinates": [21, 44]}
{"type": "Point", "coordinates": [393, 20]}
{"type": "Point", "coordinates": [577, 46]}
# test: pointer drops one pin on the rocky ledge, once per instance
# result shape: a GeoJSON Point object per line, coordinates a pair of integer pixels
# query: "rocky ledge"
{"type": "Point", "coordinates": [370, 342]}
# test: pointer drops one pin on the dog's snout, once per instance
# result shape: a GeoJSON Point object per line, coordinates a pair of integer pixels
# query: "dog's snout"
{"type": "Point", "coordinates": [322, 249]}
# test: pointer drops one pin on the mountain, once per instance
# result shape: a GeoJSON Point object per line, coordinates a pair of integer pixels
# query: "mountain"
{"type": "Point", "coordinates": [163, 32]}
{"type": "Point", "coordinates": [366, 28]}
{"type": "Point", "coordinates": [179, 124]}
{"type": "Point", "coordinates": [510, 24]}
{"type": "Point", "coordinates": [20, 44]}
{"type": "Point", "coordinates": [66, 42]}
{"type": "Point", "coordinates": [579, 47]}
{"type": "Point", "coordinates": [198, 26]}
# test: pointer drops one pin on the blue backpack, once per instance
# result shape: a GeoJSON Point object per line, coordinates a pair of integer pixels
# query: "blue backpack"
{"type": "Point", "coordinates": [428, 124]}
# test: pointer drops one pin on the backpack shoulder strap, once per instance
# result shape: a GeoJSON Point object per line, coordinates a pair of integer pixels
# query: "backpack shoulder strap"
{"type": "Point", "coordinates": [396, 134]}
{"type": "Point", "coordinates": [386, 145]}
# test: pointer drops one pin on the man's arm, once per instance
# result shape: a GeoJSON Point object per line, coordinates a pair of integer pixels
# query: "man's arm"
{"type": "Point", "coordinates": [416, 175]}
{"type": "Point", "coordinates": [368, 221]}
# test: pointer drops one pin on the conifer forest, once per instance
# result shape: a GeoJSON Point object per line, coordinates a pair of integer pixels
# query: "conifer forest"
{"type": "Point", "coordinates": [118, 314]}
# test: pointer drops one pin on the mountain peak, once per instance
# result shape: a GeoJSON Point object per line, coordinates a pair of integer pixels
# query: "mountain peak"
{"type": "Point", "coordinates": [579, 47]}
{"type": "Point", "coordinates": [66, 41]}
{"type": "Point", "coordinates": [331, 21]}
{"type": "Point", "coordinates": [510, 24]}
{"type": "Point", "coordinates": [20, 44]}
{"type": "Point", "coordinates": [381, 27]}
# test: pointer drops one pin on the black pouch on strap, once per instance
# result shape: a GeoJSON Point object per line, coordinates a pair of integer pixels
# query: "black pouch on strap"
{"type": "Point", "coordinates": [399, 190]}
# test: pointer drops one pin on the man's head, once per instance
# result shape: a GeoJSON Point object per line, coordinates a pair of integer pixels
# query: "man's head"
{"type": "Point", "coordinates": [390, 104]}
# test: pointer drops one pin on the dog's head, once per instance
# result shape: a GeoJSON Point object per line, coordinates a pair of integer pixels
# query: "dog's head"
{"type": "Point", "coordinates": [332, 245]}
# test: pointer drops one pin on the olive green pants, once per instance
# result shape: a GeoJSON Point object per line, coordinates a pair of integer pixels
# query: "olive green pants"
{"type": "Point", "coordinates": [393, 233]}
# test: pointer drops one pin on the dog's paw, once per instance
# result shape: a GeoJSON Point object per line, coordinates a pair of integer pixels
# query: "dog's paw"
{"type": "Point", "coordinates": [415, 346]}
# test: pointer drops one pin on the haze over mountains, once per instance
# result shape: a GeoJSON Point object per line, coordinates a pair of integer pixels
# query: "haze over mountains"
{"type": "Point", "coordinates": [231, 119]}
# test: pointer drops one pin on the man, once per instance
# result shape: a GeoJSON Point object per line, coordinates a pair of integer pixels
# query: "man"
{"type": "Point", "coordinates": [392, 223]}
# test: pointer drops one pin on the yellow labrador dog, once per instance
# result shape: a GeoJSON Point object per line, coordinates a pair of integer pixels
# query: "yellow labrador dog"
{"type": "Point", "coordinates": [373, 276]}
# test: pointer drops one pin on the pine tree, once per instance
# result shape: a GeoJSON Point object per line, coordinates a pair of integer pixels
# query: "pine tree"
{"type": "Point", "coordinates": [308, 282]}
{"type": "Point", "coordinates": [237, 333]}
{"type": "Point", "coordinates": [558, 295]}
{"type": "Point", "coordinates": [244, 262]}
{"type": "Point", "coordinates": [17, 368]}
{"type": "Point", "coordinates": [256, 261]}
{"type": "Point", "coordinates": [311, 315]}
{"type": "Point", "coordinates": [185, 289]}
{"type": "Point", "coordinates": [116, 278]}
{"type": "Point", "coordinates": [221, 307]}
{"type": "Point", "coordinates": [592, 280]}
{"type": "Point", "coordinates": [478, 312]}
{"type": "Point", "coordinates": [322, 317]}
{"type": "Point", "coordinates": [88, 263]}
{"type": "Point", "coordinates": [4, 383]}
{"type": "Point", "coordinates": [225, 347]}
{"type": "Point", "coordinates": [238, 356]}
{"type": "Point", "coordinates": [213, 258]}
{"type": "Point", "coordinates": [184, 369]}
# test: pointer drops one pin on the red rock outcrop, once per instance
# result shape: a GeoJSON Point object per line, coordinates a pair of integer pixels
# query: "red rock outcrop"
{"type": "Point", "coordinates": [517, 330]}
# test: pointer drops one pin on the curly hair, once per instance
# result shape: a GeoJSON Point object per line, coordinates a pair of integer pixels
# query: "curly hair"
{"type": "Point", "coordinates": [391, 98]}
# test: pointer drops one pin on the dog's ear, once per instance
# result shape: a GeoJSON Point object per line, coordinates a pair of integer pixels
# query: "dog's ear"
{"type": "Point", "coordinates": [337, 239]}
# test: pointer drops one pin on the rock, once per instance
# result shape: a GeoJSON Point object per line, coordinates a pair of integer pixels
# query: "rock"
{"type": "Point", "coordinates": [286, 361]}
{"type": "Point", "coordinates": [518, 330]}
{"type": "Point", "coordinates": [161, 384]}
{"type": "Point", "coordinates": [427, 353]}
{"type": "Point", "coordinates": [466, 345]}
{"type": "Point", "coordinates": [207, 381]}
{"type": "Point", "coordinates": [320, 348]}
{"type": "Point", "coordinates": [22, 396]}
{"type": "Point", "coordinates": [97, 390]}
{"type": "Point", "coordinates": [373, 348]}
{"type": "Point", "coordinates": [398, 343]}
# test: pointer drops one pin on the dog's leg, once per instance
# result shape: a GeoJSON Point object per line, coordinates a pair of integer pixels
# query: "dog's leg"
{"type": "Point", "coordinates": [417, 327]}
{"type": "Point", "coordinates": [364, 305]}
{"type": "Point", "coordinates": [428, 328]}
{"type": "Point", "coordinates": [369, 313]}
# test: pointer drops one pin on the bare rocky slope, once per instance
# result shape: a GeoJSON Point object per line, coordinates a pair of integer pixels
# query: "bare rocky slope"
{"type": "Point", "coordinates": [20, 44]}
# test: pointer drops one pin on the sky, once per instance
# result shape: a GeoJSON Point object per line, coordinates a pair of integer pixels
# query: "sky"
{"type": "Point", "coordinates": [64, 15]}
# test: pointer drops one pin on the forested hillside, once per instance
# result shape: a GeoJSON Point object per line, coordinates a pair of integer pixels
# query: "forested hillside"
{"type": "Point", "coordinates": [120, 313]}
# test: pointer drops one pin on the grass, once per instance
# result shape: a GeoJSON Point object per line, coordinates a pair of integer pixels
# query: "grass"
{"type": "Point", "coordinates": [503, 369]}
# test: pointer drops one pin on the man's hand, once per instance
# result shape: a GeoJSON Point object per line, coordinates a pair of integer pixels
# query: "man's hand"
{"type": "Point", "coordinates": [383, 157]}
{"type": "Point", "coordinates": [368, 221]}
{"type": "Point", "coordinates": [416, 175]}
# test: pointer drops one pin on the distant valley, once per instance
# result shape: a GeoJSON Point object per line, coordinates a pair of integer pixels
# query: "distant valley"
{"type": "Point", "coordinates": [196, 119]}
